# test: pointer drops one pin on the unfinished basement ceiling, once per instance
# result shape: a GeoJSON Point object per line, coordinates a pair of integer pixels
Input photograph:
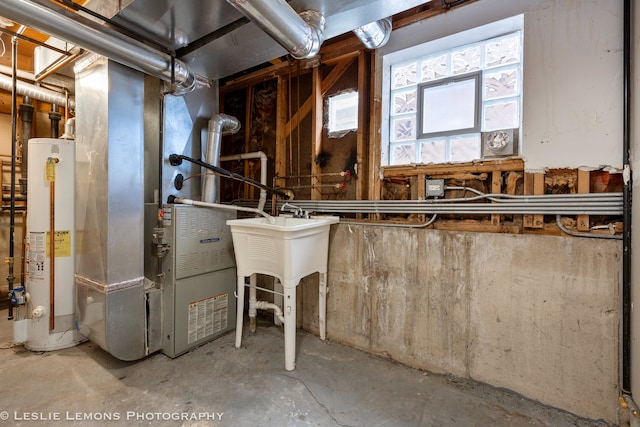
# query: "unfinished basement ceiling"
{"type": "Point", "coordinates": [183, 24]}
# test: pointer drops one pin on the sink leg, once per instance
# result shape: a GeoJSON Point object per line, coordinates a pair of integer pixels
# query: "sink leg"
{"type": "Point", "coordinates": [290, 328]}
{"type": "Point", "coordinates": [322, 306]}
{"type": "Point", "coordinates": [252, 303]}
{"type": "Point", "coordinates": [240, 311]}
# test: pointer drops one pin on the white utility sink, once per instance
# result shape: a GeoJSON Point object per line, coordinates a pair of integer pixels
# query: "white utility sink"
{"type": "Point", "coordinates": [288, 249]}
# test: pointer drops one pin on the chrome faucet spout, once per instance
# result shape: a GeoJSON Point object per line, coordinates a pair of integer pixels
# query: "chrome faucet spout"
{"type": "Point", "coordinates": [297, 211]}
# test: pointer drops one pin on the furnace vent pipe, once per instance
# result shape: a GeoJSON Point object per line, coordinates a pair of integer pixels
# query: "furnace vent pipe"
{"type": "Point", "coordinates": [221, 124]}
{"type": "Point", "coordinates": [376, 34]}
{"type": "Point", "coordinates": [34, 92]}
{"type": "Point", "coordinates": [301, 35]}
{"type": "Point", "coordinates": [59, 22]}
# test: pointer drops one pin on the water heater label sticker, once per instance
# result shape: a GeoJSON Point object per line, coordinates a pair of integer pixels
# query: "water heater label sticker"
{"type": "Point", "coordinates": [62, 243]}
{"type": "Point", "coordinates": [36, 256]}
{"type": "Point", "coordinates": [207, 317]}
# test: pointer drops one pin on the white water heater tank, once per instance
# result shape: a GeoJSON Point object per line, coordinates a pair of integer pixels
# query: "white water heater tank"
{"type": "Point", "coordinates": [50, 190]}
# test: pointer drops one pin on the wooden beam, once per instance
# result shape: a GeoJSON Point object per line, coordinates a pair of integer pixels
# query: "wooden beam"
{"type": "Point", "coordinates": [496, 188]}
{"type": "Point", "coordinates": [404, 171]}
{"type": "Point", "coordinates": [326, 84]}
{"type": "Point", "coordinates": [281, 119]}
{"type": "Point", "coordinates": [268, 73]}
{"type": "Point", "coordinates": [375, 107]}
{"type": "Point", "coordinates": [533, 184]}
{"type": "Point", "coordinates": [316, 132]}
{"type": "Point", "coordinates": [341, 52]}
{"type": "Point", "coordinates": [335, 74]}
{"type": "Point", "coordinates": [584, 187]}
{"type": "Point", "coordinates": [363, 121]}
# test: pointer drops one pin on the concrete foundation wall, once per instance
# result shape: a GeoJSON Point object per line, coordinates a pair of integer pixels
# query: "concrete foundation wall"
{"type": "Point", "coordinates": [539, 315]}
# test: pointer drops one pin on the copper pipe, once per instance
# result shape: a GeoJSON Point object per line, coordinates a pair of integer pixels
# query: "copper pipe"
{"type": "Point", "coordinates": [59, 64]}
{"type": "Point", "coordinates": [52, 249]}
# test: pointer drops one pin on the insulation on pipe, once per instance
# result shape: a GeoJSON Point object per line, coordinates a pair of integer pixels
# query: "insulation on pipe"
{"type": "Point", "coordinates": [35, 92]}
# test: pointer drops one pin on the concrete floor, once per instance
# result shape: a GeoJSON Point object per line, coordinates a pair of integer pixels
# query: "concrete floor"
{"type": "Point", "coordinates": [223, 386]}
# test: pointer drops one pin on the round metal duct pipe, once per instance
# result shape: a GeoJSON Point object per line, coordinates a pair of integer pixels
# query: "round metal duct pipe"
{"type": "Point", "coordinates": [375, 34]}
{"type": "Point", "coordinates": [221, 124]}
{"type": "Point", "coordinates": [301, 35]}
{"type": "Point", "coordinates": [61, 23]}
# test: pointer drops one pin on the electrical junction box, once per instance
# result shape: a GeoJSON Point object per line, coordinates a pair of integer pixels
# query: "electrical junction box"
{"type": "Point", "coordinates": [435, 187]}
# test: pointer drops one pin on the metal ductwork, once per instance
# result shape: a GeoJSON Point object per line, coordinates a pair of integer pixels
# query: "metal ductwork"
{"type": "Point", "coordinates": [59, 22]}
{"type": "Point", "coordinates": [221, 124]}
{"type": "Point", "coordinates": [35, 92]}
{"type": "Point", "coordinates": [375, 34]}
{"type": "Point", "coordinates": [301, 35]}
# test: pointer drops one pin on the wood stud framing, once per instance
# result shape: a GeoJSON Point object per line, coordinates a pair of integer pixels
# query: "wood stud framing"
{"type": "Point", "coordinates": [499, 176]}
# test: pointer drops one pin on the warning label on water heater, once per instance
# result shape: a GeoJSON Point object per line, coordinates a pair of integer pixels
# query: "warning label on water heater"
{"type": "Point", "coordinates": [62, 243]}
{"type": "Point", "coordinates": [35, 251]}
{"type": "Point", "coordinates": [207, 317]}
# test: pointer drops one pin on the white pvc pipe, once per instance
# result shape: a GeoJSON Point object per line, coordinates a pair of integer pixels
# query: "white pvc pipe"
{"type": "Point", "coordinates": [264, 305]}
{"type": "Point", "coordinates": [263, 171]}
{"type": "Point", "coordinates": [253, 309]}
{"type": "Point", "coordinates": [221, 206]}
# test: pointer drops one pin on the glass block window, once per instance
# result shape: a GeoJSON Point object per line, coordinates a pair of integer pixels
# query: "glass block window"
{"type": "Point", "coordinates": [436, 129]}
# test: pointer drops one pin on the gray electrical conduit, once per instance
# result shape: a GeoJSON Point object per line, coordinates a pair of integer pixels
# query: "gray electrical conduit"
{"type": "Point", "coordinates": [573, 204]}
{"type": "Point", "coordinates": [423, 225]}
{"type": "Point", "coordinates": [579, 206]}
{"type": "Point", "coordinates": [580, 234]}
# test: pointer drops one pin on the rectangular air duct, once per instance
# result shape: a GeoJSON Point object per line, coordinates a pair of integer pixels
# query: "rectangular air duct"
{"type": "Point", "coordinates": [110, 207]}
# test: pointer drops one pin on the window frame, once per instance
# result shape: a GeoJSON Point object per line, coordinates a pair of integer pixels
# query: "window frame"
{"type": "Point", "coordinates": [477, 105]}
{"type": "Point", "coordinates": [440, 36]}
{"type": "Point", "coordinates": [332, 112]}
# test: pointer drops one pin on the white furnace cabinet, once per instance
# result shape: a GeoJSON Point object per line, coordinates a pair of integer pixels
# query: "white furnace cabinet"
{"type": "Point", "coordinates": [197, 276]}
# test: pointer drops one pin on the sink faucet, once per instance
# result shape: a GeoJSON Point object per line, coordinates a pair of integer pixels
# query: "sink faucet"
{"type": "Point", "coordinates": [297, 211]}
